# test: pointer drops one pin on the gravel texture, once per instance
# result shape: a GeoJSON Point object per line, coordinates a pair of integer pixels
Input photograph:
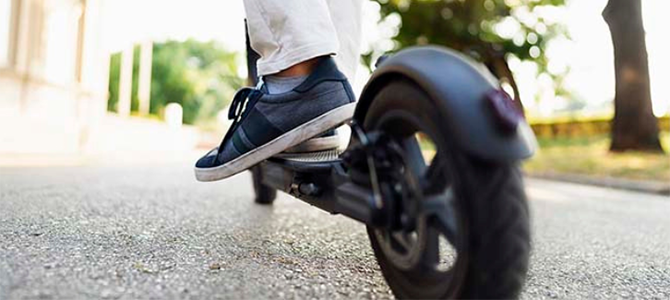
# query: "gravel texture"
{"type": "Point", "coordinates": [596, 243]}
{"type": "Point", "coordinates": [153, 232]}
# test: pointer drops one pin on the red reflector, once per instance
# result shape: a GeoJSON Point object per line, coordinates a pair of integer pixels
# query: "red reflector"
{"type": "Point", "coordinates": [505, 111]}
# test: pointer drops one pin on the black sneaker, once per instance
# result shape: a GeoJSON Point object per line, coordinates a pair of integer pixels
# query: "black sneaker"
{"type": "Point", "coordinates": [267, 124]}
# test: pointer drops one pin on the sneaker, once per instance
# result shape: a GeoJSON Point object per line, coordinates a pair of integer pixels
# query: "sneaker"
{"type": "Point", "coordinates": [267, 124]}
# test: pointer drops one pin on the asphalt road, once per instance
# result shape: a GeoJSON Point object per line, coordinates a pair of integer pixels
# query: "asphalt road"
{"type": "Point", "coordinates": [153, 232]}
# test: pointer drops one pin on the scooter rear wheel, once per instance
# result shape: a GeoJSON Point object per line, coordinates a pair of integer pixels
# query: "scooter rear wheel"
{"type": "Point", "coordinates": [471, 237]}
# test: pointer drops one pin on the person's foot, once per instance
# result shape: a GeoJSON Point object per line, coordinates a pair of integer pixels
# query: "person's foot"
{"type": "Point", "coordinates": [266, 124]}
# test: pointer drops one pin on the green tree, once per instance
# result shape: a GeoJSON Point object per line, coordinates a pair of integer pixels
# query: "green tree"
{"type": "Point", "coordinates": [634, 126]}
{"type": "Point", "coordinates": [470, 26]}
{"type": "Point", "coordinates": [114, 73]}
{"type": "Point", "coordinates": [114, 80]}
{"type": "Point", "coordinates": [202, 77]}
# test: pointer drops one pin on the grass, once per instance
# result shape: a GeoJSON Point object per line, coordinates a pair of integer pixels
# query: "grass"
{"type": "Point", "coordinates": [590, 156]}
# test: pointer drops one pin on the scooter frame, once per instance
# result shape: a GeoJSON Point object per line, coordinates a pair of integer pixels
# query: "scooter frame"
{"type": "Point", "coordinates": [500, 134]}
{"type": "Point", "coordinates": [375, 181]}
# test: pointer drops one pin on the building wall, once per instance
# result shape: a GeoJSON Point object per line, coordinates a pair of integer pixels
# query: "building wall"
{"type": "Point", "coordinates": [53, 75]}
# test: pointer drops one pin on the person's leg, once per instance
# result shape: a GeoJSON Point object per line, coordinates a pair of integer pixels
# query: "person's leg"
{"type": "Point", "coordinates": [288, 32]}
{"type": "Point", "coordinates": [347, 17]}
{"type": "Point", "coordinates": [304, 95]}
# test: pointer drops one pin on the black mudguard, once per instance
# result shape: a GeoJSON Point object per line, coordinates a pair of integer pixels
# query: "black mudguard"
{"type": "Point", "coordinates": [462, 86]}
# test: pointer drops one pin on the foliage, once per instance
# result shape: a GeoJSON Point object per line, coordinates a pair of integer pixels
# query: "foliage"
{"type": "Point", "coordinates": [135, 97]}
{"type": "Point", "coordinates": [488, 30]}
{"type": "Point", "coordinates": [114, 80]}
{"type": "Point", "coordinates": [201, 76]}
{"type": "Point", "coordinates": [114, 72]}
{"type": "Point", "coordinates": [588, 155]}
{"type": "Point", "coordinates": [581, 127]}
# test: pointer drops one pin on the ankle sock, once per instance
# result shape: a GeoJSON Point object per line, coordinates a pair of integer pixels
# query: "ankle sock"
{"type": "Point", "coordinates": [279, 85]}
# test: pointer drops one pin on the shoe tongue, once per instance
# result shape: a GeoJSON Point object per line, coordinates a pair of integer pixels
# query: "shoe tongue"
{"type": "Point", "coordinates": [326, 70]}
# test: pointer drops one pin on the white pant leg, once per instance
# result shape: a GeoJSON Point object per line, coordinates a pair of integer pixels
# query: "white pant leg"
{"type": "Point", "coordinates": [347, 16]}
{"type": "Point", "coordinates": [287, 32]}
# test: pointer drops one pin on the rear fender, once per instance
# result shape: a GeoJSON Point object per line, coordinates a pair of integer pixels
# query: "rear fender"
{"type": "Point", "coordinates": [461, 89]}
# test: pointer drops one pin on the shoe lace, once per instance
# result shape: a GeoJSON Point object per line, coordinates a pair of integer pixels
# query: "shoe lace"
{"type": "Point", "coordinates": [244, 99]}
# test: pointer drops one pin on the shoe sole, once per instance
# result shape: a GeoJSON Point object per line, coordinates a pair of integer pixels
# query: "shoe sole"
{"type": "Point", "coordinates": [287, 140]}
{"type": "Point", "coordinates": [315, 145]}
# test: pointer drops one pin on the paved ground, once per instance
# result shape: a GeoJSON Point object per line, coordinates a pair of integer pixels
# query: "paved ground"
{"type": "Point", "coordinates": [115, 232]}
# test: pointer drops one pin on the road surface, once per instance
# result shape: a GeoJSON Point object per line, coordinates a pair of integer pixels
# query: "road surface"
{"type": "Point", "coordinates": [153, 232]}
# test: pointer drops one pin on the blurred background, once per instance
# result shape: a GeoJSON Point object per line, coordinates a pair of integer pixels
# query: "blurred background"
{"type": "Point", "coordinates": [87, 81]}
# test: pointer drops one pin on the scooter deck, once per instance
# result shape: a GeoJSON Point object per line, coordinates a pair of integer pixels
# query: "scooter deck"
{"type": "Point", "coordinates": [319, 162]}
{"type": "Point", "coordinates": [320, 156]}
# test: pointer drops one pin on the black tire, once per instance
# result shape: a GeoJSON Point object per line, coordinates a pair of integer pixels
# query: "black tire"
{"type": "Point", "coordinates": [490, 209]}
{"type": "Point", "coordinates": [265, 195]}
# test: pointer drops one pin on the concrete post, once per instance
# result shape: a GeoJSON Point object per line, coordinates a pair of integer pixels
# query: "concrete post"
{"type": "Point", "coordinates": [126, 81]}
{"type": "Point", "coordinates": [174, 115]}
{"type": "Point", "coordinates": [144, 89]}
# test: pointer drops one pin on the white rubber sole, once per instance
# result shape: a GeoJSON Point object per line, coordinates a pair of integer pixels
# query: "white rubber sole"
{"type": "Point", "coordinates": [289, 139]}
{"type": "Point", "coordinates": [316, 144]}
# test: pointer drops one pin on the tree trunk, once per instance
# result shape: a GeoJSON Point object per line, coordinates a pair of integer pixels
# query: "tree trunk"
{"type": "Point", "coordinates": [634, 126]}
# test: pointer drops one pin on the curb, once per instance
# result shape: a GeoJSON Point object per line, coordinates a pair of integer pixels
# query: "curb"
{"type": "Point", "coordinates": [644, 186]}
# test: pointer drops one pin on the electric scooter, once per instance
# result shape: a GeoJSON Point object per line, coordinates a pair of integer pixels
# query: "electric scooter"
{"type": "Point", "coordinates": [432, 170]}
